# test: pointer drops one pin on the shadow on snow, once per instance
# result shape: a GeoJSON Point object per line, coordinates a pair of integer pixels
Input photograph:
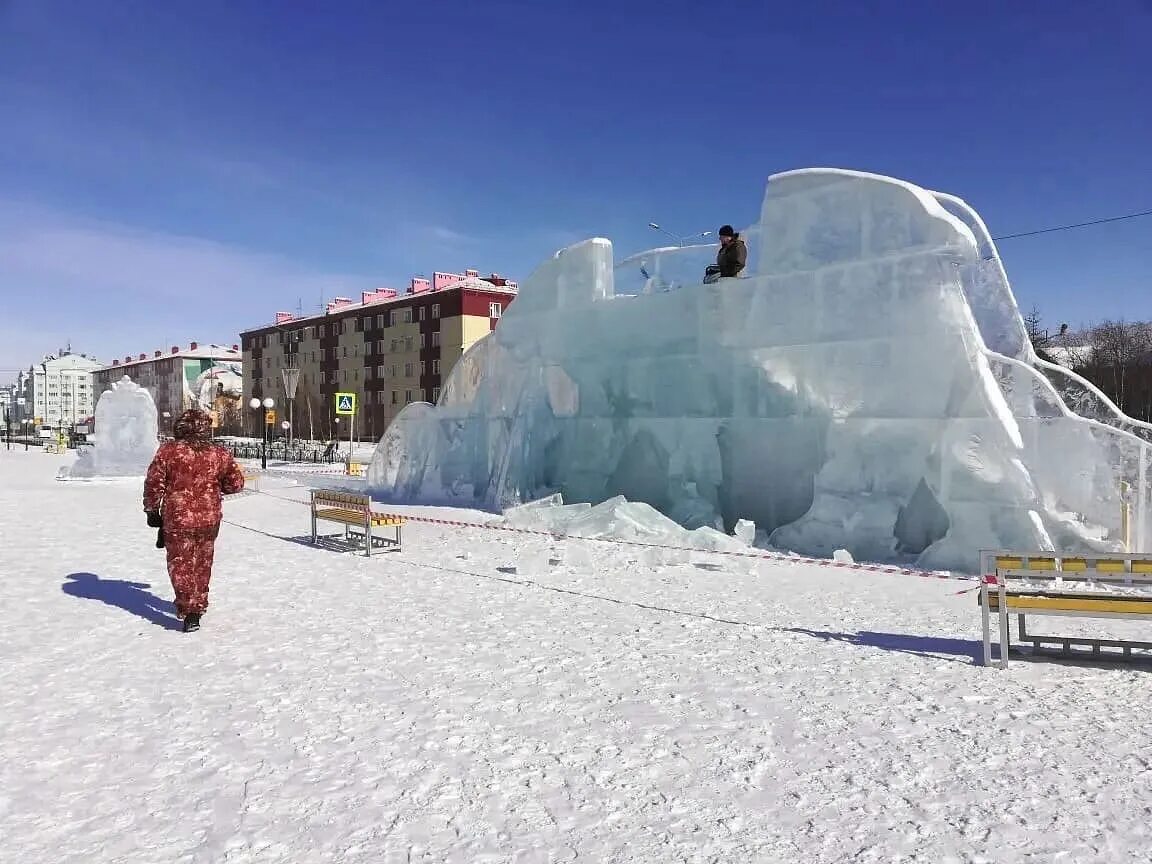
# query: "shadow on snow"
{"type": "Point", "coordinates": [132, 597]}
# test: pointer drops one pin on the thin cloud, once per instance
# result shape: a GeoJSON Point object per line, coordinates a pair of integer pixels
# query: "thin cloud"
{"type": "Point", "coordinates": [109, 284]}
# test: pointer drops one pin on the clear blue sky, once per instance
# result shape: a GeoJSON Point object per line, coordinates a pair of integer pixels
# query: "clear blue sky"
{"type": "Point", "coordinates": [179, 170]}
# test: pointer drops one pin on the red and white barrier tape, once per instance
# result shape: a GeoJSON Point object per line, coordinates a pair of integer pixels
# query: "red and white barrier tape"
{"type": "Point", "coordinates": [759, 554]}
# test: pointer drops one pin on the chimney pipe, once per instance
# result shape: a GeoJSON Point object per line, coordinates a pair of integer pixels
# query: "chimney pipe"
{"type": "Point", "coordinates": [192, 347]}
{"type": "Point", "coordinates": [175, 349]}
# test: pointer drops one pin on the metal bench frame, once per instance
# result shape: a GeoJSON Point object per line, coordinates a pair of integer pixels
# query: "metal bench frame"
{"type": "Point", "coordinates": [1000, 567]}
{"type": "Point", "coordinates": [362, 518]}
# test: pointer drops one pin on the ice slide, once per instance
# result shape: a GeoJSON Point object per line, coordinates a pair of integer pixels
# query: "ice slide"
{"type": "Point", "coordinates": [867, 384]}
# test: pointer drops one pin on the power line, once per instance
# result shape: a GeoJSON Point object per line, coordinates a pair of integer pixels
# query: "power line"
{"type": "Point", "coordinates": [1077, 225]}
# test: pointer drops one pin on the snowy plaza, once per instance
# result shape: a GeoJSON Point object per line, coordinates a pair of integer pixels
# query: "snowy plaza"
{"type": "Point", "coordinates": [465, 700]}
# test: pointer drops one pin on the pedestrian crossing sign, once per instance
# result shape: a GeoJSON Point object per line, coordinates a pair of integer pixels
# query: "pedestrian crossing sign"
{"type": "Point", "coordinates": [346, 403]}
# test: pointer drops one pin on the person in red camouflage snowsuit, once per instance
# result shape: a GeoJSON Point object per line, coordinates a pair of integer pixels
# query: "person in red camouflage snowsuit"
{"type": "Point", "coordinates": [186, 482]}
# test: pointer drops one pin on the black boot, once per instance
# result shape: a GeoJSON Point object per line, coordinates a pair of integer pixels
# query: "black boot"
{"type": "Point", "coordinates": [191, 622]}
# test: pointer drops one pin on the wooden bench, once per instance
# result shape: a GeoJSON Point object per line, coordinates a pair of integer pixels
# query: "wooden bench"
{"type": "Point", "coordinates": [1047, 583]}
{"type": "Point", "coordinates": [355, 512]}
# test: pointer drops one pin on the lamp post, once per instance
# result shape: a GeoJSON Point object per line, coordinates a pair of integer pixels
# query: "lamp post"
{"type": "Point", "coordinates": [268, 404]}
{"type": "Point", "coordinates": [8, 427]}
{"type": "Point", "coordinates": [27, 421]}
{"type": "Point", "coordinates": [680, 241]}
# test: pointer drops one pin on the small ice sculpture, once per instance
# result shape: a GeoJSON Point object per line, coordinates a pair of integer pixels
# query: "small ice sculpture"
{"type": "Point", "coordinates": [126, 435]}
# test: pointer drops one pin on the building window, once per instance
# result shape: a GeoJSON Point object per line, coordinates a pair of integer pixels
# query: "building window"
{"type": "Point", "coordinates": [435, 394]}
{"type": "Point", "coordinates": [395, 397]}
{"type": "Point", "coordinates": [407, 343]}
{"type": "Point", "coordinates": [421, 341]}
{"type": "Point", "coordinates": [344, 375]}
{"type": "Point", "coordinates": [355, 374]}
{"type": "Point", "coordinates": [345, 350]}
{"type": "Point", "coordinates": [359, 325]}
{"type": "Point", "coordinates": [436, 339]}
{"type": "Point", "coordinates": [407, 370]}
{"type": "Point", "coordinates": [435, 367]}
{"type": "Point", "coordinates": [422, 310]}
{"type": "Point", "coordinates": [394, 317]}
{"type": "Point", "coordinates": [435, 310]}
{"type": "Point", "coordinates": [493, 310]}
{"type": "Point", "coordinates": [323, 330]}
{"type": "Point", "coordinates": [395, 342]}
{"type": "Point", "coordinates": [380, 372]}
{"type": "Point", "coordinates": [395, 373]}
{"type": "Point", "coordinates": [367, 349]}
{"type": "Point", "coordinates": [421, 368]}
{"type": "Point", "coordinates": [380, 347]}
{"type": "Point", "coordinates": [407, 319]}
{"type": "Point", "coordinates": [407, 397]}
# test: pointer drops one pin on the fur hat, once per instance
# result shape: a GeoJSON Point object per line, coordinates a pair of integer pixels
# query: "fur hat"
{"type": "Point", "coordinates": [194, 424]}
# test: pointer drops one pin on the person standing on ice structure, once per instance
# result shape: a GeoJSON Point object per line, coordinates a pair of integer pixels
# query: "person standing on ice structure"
{"type": "Point", "coordinates": [731, 258]}
{"type": "Point", "coordinates": [185, 484]}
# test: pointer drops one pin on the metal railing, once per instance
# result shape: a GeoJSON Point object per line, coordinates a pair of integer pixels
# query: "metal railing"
{"type": "Point", "coordinates": [282, 452]}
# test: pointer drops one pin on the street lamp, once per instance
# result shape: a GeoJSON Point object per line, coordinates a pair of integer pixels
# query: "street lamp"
{"type": "Point", "coordinates": [680, 241]}
{"type": "Point", "coordinates": [27, 421]}
{"type": "Point", "coordinates": [268, 404]}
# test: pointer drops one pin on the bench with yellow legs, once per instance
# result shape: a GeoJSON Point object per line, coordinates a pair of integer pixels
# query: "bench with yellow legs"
{"type": "Point", "coordinates": [354, 511]}
{"type": "Point", "coordinates": [1047, 583]}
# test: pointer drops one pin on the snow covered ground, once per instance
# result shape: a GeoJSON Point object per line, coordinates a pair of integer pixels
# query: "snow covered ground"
{"type": "Point", "coordinates": [431, 706]}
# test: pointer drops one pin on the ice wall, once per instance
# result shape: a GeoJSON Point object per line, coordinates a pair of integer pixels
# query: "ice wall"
{"type": "Point", "coordinates": [841, 395]}
{"type": "Point", "coordinates": [125, 435]}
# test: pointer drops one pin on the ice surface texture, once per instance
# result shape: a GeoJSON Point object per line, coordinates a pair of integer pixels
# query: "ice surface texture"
{"type": "Point", "coordinates": [843, 394]}
{"type": "Point", "coordinates": [126, 434]}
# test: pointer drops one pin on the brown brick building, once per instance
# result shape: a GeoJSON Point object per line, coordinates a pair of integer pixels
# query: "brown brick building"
{"type": "Point", "coordinates": [389, 349]}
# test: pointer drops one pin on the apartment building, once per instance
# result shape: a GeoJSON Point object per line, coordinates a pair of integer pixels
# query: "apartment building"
{"type": "Point", "coordinates": [59, 390]}
{"type": "Point", "coordinates": [390, 349]}
{"type": "Point", "coordinates": [175, 378]}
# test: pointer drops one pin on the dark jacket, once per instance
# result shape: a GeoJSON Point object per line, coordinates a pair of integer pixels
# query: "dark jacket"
{"type": "Point", "coordinates": [732, 258]}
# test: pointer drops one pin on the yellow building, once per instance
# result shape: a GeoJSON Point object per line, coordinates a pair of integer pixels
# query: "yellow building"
{"type": "Point", "coordinates": [390, 349]}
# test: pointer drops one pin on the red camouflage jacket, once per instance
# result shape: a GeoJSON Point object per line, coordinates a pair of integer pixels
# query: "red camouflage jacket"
{"type": "Point", "coordinates": [187, 484]}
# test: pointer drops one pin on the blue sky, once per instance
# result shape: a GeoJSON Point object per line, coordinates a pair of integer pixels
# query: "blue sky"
{"type": "Point", "coordinates": [180, 170]}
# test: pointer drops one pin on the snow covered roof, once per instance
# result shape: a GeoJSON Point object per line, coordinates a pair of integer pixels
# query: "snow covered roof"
{"type": "Point", "coordinates": [468, 283]}
{"type": "Point", "coordinates": [1070, 356]}
{"type": "Point", "coordinates": [195, 350]}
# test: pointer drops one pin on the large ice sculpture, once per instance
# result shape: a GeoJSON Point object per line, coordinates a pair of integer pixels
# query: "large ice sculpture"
{"type": "Point", "coordinates": [868, 385]}
{"type": "Point", "coordinates": [126, 435]}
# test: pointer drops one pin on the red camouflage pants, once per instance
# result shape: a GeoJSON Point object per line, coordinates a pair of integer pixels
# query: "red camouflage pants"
{"type": "Point", "coordinates": [190, 566]}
